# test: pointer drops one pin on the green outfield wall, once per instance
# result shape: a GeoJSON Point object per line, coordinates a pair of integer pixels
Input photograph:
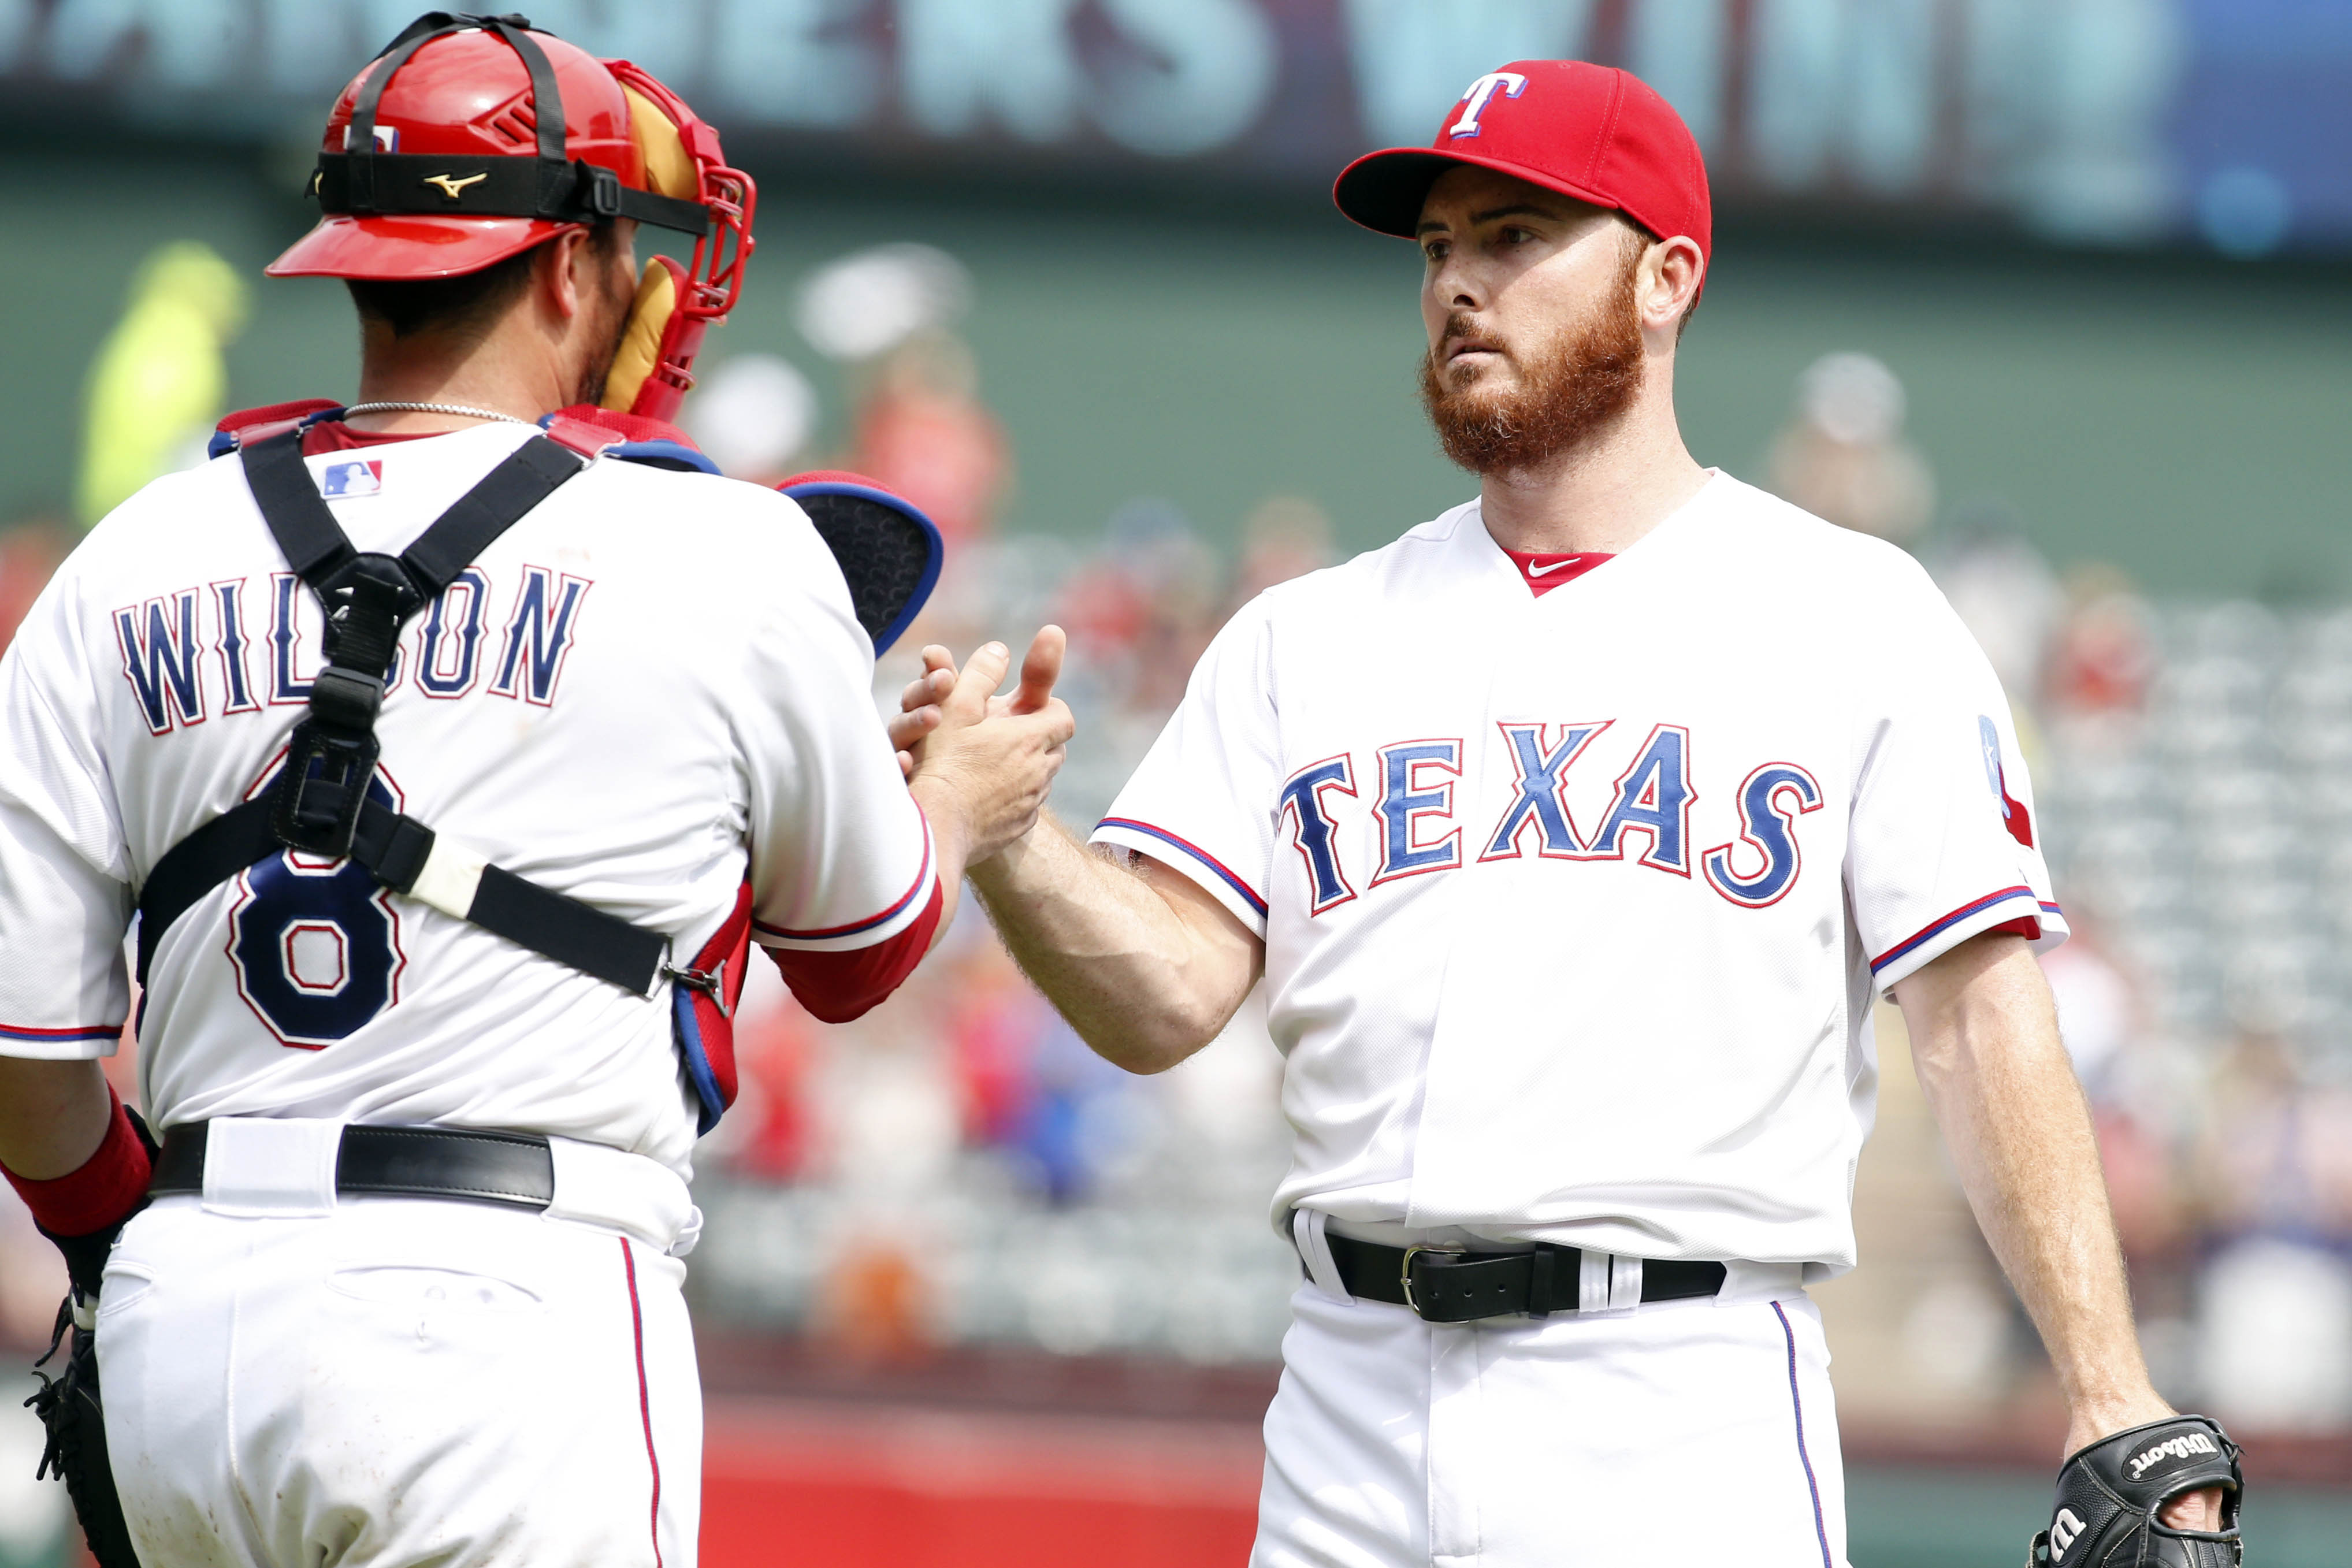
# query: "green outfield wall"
{"type": "Point", "coordinates": [2184, 419]}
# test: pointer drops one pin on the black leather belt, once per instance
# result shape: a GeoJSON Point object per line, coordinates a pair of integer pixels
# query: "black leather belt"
{"type": "Point", "coordinates": [1448, 1287]}
{"type": "Point", "coordinates": [398, 1162]}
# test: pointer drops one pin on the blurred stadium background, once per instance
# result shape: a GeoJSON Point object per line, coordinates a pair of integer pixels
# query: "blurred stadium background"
{"type": "Point", "coordinates": [2052, 292]}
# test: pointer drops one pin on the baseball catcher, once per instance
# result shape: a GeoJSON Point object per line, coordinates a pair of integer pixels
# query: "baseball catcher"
{"type": "Point", "coordinates": [452, 745]}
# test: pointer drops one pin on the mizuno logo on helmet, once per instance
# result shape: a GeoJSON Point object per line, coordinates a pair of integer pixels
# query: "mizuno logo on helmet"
{"type": "Point", "coordinates": [452, 186]}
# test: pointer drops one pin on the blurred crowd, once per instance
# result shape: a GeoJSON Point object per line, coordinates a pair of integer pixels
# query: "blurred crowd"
{"type": "Point", "coordinates": [2193, 765]}
{"type": "Point", "coordinates": [958, 1167]}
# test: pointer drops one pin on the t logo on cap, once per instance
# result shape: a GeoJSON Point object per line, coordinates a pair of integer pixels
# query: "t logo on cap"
{"type": "Point", "coordinates": [1594, 133]}
{"type": "Point", "coordinates": [1475, 101]}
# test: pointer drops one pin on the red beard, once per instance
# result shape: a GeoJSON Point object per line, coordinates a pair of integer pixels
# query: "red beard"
{"type": "Point", "coordinates": [1572, 391]}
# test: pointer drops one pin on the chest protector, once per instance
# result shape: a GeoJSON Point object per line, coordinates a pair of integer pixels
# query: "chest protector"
{"type": "Point", "coordinates": [320, 802]}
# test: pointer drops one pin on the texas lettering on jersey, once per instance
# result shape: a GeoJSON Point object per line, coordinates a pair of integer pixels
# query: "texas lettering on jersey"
{"type": "Point", "coordinates": [1419, 831]}
{"type": "Point", "coordinates": [198, 650]}
{"type": "Point", "coordinates": [1561, 883]}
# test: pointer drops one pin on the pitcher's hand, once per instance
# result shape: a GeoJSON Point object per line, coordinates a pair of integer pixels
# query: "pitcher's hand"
{"type": "Point", "coordinates": [985, 765]}
{"type": "Point", "coordinates": [918, 706]}
{"type": "Point", "coordinates": [2200, 1510]}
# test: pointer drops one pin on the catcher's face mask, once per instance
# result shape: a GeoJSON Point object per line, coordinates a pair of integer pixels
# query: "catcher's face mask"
{"type": "Point", "coordinates": [471, 139]}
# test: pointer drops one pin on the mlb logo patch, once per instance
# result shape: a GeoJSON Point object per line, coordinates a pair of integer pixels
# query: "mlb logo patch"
{"type": "Point", "coordinates": [339, 481]}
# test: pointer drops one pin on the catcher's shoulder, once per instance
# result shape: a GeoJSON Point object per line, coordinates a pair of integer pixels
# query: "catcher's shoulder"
{"type": "Point", "coordinates": [172, 516]}
{"type": "Point", "coordinates": [701, 501]}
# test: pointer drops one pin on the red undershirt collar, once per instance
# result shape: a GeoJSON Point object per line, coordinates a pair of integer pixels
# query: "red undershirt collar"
{"type": "Point", "coordinates": [1544, 570]}
{"type": "Point", "coordinates": [335, 435]}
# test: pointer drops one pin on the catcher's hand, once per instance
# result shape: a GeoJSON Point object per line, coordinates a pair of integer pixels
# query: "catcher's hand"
{"type": "Point", "coordinates": [920, 705]}
{"type": "Point", "coordinates": [2112, 1498]}
{"type": "Point", "coordinates": [68, 1404]}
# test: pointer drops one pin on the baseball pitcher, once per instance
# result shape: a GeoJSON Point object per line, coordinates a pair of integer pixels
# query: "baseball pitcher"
{"type": "Point", "coordinates": [1574, 836]}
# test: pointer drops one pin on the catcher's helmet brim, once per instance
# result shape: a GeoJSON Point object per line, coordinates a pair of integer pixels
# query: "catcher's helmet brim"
{"type": "Point", "coordinates": [404, 248]}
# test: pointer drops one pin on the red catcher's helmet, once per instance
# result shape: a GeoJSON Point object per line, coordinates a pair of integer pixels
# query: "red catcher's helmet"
{"type": "Point", "coordinates": [471, 139]}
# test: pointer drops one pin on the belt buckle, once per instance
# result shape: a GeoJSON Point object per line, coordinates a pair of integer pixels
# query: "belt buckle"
{"type": "Point", "coordinates": [1405, 1272]}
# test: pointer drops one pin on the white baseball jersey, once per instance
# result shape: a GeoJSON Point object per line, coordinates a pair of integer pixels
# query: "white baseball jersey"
{"type": "Point", "coordinates": [651, 678]}
{"type": "Point", "coordinates": [1575, 906]}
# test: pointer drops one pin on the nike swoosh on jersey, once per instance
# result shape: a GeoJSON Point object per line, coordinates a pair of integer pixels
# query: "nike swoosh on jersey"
{"type": "Point", "coordinates": [1535, 571]}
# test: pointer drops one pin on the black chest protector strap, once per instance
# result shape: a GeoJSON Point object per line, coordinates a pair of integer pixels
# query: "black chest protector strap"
{"type": "Point", "coordinates": [319, 803]}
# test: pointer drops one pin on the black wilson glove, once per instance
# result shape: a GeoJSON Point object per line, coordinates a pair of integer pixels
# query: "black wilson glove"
{"type": "Point", "coordinates": [2110, 1493]}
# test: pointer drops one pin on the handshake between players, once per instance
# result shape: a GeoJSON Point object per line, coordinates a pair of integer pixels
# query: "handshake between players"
{"type": "Point", "coordinates": [978, 765]}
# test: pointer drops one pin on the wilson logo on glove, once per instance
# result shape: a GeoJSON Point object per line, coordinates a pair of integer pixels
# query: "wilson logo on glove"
{"type": "Point", "coordinates": [2063, 1531]}
{"type": "Point", "coordinates": [2176, 1448]}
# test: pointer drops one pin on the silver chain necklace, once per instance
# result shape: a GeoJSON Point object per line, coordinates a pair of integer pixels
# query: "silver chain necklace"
{"type": "Point", "coordinates": [465, 410]}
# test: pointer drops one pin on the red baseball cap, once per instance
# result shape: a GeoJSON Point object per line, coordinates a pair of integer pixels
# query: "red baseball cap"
{"type": "Point", "coordinates": [1601, 135]}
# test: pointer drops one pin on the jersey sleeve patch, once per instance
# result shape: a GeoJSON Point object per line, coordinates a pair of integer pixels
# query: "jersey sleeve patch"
{"type": "Point", "coordinates": [1145, 838]}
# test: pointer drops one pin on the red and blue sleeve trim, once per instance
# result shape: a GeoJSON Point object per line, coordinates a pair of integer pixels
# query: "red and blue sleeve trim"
{"type": "Point", "coordinates": [78, 1032]}
{"type": "Point", "coordinates": [922, 880]}
{"type": "Point", "coordinates": [838, 984]}
{"type": "Point", "coordinates": [1965, 912]}
{"type": "Point", "coordinates": [1248, 893]}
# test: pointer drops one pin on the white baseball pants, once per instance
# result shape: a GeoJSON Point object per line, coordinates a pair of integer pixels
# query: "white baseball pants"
{"type": "Point", "coordinates": [1679, 1432]}
{"type": "Point", "coordinates": [383, 1383]}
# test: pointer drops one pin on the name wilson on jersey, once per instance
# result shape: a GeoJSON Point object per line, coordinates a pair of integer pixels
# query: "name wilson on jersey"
{"type": "Point", "coordinates": [193, 652]}
{"type": "Point", "coordinates": [1416, 831]}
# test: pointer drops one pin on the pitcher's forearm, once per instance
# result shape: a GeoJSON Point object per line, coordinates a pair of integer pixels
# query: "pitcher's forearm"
{"type": "Point", "coordinates": [1999, 1082]}
{"type": "Point", "coordinates": [1127, 971]}
{"type": "Point", "coordinates": [2030, 1164]}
